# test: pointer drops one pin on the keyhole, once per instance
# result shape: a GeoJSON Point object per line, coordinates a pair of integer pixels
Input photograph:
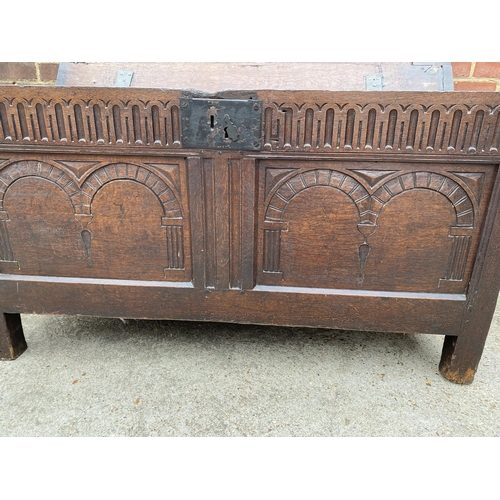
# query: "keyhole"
{"type": "Point", "coordinates": [230, 131]}
{"type": "Point", "coordinates": [212, 121]}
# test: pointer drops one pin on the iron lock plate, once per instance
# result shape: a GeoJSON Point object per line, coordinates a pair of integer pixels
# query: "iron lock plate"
{"type": "Point", "coordinates": [221, 123]}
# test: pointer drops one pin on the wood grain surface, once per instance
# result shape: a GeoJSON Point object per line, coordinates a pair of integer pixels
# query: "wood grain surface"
{"type": "Point", "coordinates": [362, 210]}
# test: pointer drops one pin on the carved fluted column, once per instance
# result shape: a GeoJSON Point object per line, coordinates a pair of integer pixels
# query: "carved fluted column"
{"type": "Point", "coordinates": [462, 237]}
{"type": "Point", "coordinates": [7, 261]}
{"type": "Point", "coordinates": [175, 242]}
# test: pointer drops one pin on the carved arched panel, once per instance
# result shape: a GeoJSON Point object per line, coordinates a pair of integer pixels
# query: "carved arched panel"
{"type": "Point", "coordinates": [311, 234]}
{"type": "Point", "coordinates": [396, 217]}
{"type": "Point", "coordinates": [49, 183]}
{"type": "Point", "coordinates": [320, 245]}
{"type": "Point", "coordinates": [141, 175]}
{"type": "Point", "coordinates": [39, 169]}
{"type": "Point", "coordinates": [41, 231]}
{"type": "Point", "coordinates": [151, 226]}
{"type": "Point", "coordinates": [411, 248]}
{"type": "Point", "coordinates": [127, 237]}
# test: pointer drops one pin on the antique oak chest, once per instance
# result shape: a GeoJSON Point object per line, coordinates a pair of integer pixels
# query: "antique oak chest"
{"type": "Point", "coordinates": [358, 210]}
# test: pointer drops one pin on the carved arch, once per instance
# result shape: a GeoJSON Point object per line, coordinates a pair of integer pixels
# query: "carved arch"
{"type": "Point", "coordinates": [117, 171]}
{"type": "Point", "coordinates": [299, 182]}
{"type": "Point", "coordinates": [460, 201]}
{"type": "Point", "coordinates": [450, 189]}
{"type": "Point", "coordinates": [22, 169]}
{"type": "Point", "coordinates": [311, 178]}
{"type": "Point", "coordinates": [171, 220]}
{"type": "Point", "coordinates": [32, 168]}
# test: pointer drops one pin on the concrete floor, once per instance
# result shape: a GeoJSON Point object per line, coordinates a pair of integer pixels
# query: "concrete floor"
{"type": "Point", "coordinates": [104, 377]}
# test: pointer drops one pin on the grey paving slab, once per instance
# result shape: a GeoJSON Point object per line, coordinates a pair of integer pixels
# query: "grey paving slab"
{"type": "Point", "coordinates": [104, 377]}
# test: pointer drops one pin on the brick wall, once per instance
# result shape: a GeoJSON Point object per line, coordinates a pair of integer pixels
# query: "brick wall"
{"type": "Point", "coordinates": [476, 76]}
{"type": "Point", "coordinates": [28, 73]}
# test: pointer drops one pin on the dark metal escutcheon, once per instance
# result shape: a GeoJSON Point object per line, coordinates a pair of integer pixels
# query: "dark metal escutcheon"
{"type": "Point", "coordinates": [221, 123]}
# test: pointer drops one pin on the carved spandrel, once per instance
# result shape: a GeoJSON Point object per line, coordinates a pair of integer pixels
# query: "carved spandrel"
{"type": "Point", "coordinates": [78, 168]}
{"type": "Point", "coordinates": [171, 171]}
{"type": "Point", "coordinates": [373, 177]}
{"type": "Point", "coordinates": [475, 182]}
{"type": "Point", "coordinates": [274, 176]}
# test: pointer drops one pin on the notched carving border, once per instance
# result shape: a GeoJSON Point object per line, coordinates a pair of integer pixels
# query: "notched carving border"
{"type": "Point", "coordinates": [50, 120]}
{"type": "Point", "coordinates": [433, 123]}
{"type": "Point", "coordinates": [383, 127]}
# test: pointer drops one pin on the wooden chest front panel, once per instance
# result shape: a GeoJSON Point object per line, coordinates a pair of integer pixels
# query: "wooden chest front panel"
{"type": "Point", "coordinates": [124, 218]}
{"type": "Point", "coordinates": [356, 210]}
{"type": "Point", "coordinates": [391, 226]}
{"type": "Point", "coordinates": [396, 226]}
{"type": "Point", "coordinates": [351, 194]}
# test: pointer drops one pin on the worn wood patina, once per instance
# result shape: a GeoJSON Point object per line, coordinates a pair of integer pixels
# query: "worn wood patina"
{"type": "Point", "coordinates": [371, 211]}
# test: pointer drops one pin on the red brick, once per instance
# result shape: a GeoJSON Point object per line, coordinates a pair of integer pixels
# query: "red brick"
{"type": "Point", "coordinates": [48, 71]}
{"type": "Point", "coordinates": [14, 71]}
{"type": "Point", "coordinates": [461, 68]}
{"type": "Point", "coordinates": [476, 86]}
{"type": "Point", "coordinates": [487, 70]}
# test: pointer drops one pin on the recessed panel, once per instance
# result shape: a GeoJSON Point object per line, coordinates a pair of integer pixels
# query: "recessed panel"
{"type": "Point", "coordinates": [117, 221]}
{"type": "Point", "coordinates": [387, 226]}
{"type": "Point", "coordinates": [41, 233]}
